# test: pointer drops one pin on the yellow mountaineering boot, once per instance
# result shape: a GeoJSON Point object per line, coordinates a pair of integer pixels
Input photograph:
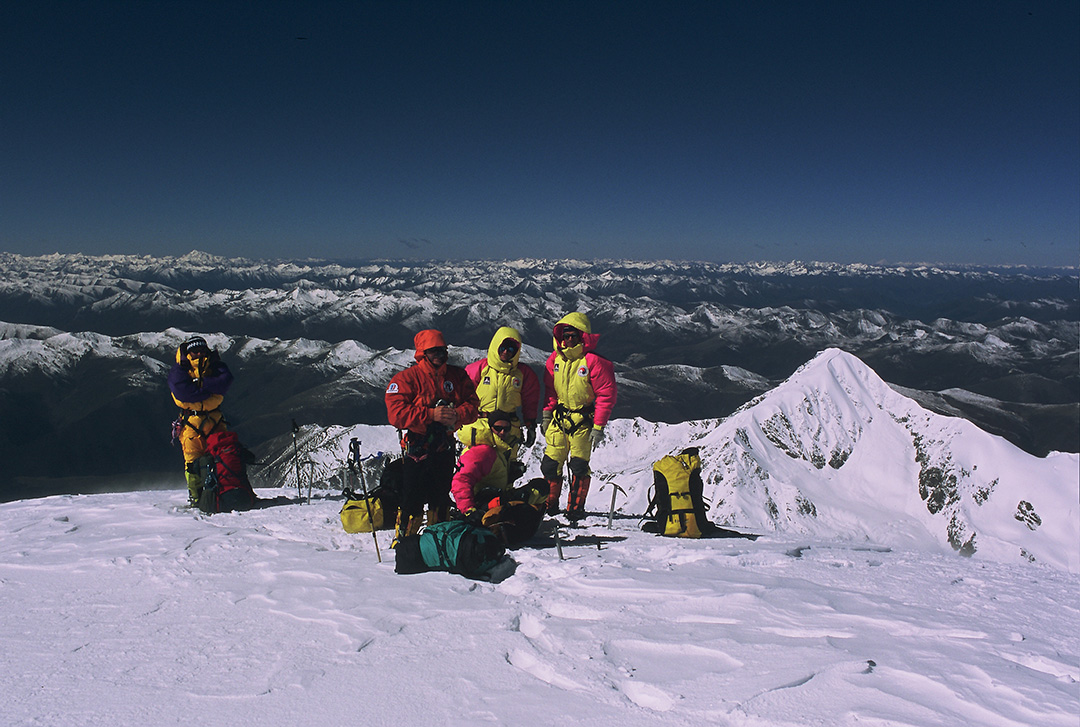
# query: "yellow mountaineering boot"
{"type": "Point", "coordinates": [405, 526]}
{"type": "Point", "coordinates": [194, 483]}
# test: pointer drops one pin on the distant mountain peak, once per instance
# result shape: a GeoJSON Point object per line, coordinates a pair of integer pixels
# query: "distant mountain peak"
{"type": "Point", "coordinates": [198, 257]}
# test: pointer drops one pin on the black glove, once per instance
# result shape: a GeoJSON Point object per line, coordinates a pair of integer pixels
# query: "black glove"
{"type": "Point", "coordinates": [475, 516]}
{"type": "Point", "coordinates": [530, 434]}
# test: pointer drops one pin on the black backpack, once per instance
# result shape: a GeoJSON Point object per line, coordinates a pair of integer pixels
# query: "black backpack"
{"type": "Point", "coordinates": [390, 484]}
{"type": "Point", "coordinates": [515, 515]}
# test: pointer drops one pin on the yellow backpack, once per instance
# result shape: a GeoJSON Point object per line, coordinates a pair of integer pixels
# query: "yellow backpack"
{"type": "Point", "coordinates": [677, 507]}
{"type": "Point", "coordinates": [382, 502]}
{"type": "Point", "coordinates": [358, 514]}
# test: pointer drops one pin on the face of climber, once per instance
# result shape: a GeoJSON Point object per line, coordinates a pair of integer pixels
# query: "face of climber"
{"type": "Point", "coordinates": [197, 357]}
{"type": "Point", "coordinates": [569, 337]}
{"type": "Point", "coordinates": [501, 428]}
{"type": "Point", "coordinates": [436, 356]}
{"type": "Point", "coordinates": [507, 350]}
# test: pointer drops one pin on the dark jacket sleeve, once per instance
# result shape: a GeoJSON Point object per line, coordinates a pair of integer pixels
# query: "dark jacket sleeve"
{"type": "Point", "coordinates": [185, 388]}
{"type": "Point", "coordinates": [218, 380]}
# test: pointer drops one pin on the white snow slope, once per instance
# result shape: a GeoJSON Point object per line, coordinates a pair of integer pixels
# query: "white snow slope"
{"type": "Point", "coordinates": [125, 609]}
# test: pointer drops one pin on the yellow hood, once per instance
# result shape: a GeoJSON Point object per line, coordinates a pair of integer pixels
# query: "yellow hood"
{"type": "Point", "coordinates": [493, 349]}
{"type": "Point", "coordinates": [579, 321]}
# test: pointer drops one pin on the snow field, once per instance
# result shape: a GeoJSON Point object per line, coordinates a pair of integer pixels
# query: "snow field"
{"type": "Point", "coordinates": [124, 609]}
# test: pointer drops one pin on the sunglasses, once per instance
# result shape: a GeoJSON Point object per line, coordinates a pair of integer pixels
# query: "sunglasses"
{"type": "Point", "coordinates": [437, 352]}
{"type": "Point", "coordinates": [501, 428]}
{"type": "Point", "coordinates": [509, 347]}
{"type": "Point", "coordinates": [570, 335]}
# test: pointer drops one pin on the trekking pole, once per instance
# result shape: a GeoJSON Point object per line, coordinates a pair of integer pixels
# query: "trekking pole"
{"type": "Point", "coordinates": [611, 513]}
{"type": "Point", "coordinates": [354, 459]}
{"type": "Point", "coordinates": [296, 459]}
{"type": "Point", "coordinates": [558, 540]}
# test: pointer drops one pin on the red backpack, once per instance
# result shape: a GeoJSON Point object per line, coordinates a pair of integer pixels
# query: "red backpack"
{"type": "Point", "coordinates": [226, 487]}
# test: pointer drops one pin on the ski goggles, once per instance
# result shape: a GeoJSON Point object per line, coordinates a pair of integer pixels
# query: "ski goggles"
{"type": "Point", "coordinates": [508, 347]}
{"type": "Point", "coordinates": [197, 352]}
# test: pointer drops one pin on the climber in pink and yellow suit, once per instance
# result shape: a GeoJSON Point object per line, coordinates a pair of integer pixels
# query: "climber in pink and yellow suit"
{"type": "Point", "coordinates": [504, 383]}
{"type": "Point", "coordinates": [581, 392]}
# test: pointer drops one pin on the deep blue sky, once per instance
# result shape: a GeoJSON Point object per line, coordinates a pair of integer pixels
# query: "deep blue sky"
{"type": "Point", "coordinates": [845, 131]}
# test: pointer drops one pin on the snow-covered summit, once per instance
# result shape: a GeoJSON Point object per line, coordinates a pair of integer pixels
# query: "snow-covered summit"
{"type": "Point", "coordinates": [834, 450]}
{"type": "Point", "coordinates": [124, 610]}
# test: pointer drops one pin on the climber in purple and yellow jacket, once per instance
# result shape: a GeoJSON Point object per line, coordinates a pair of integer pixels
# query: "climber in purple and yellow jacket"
{"type": "Point", "coordinates": [198, 382]}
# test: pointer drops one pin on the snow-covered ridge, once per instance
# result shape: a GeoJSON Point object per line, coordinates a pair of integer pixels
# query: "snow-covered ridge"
{"type": "Point", "coordinates": [917, 325]}
{"type": "Point", "coordinates": [313, 268]}
{"type": "Point", "coordinates": [835, 450]}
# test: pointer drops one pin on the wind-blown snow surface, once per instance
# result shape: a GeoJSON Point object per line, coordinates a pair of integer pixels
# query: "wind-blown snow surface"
{"type": "Point", "coordinates": [123, 609]}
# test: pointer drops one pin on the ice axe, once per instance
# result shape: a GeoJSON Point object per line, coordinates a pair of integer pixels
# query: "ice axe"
{"type": "Point", "coordinates": [310, 477]}
{"type": "Point", "coordinates": [296, 459]}
{"type": "Point", "coordinates": [615, 489]}
{"type": "Point", "coordinates": [358, 476]}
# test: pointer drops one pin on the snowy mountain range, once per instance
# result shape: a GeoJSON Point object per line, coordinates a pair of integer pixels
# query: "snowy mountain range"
{"type": "Point", "coordinates": [85, 342]}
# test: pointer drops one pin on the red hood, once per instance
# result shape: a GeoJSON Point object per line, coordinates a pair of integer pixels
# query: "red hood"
{"type": "Point", "coordinates": [426, 339]}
